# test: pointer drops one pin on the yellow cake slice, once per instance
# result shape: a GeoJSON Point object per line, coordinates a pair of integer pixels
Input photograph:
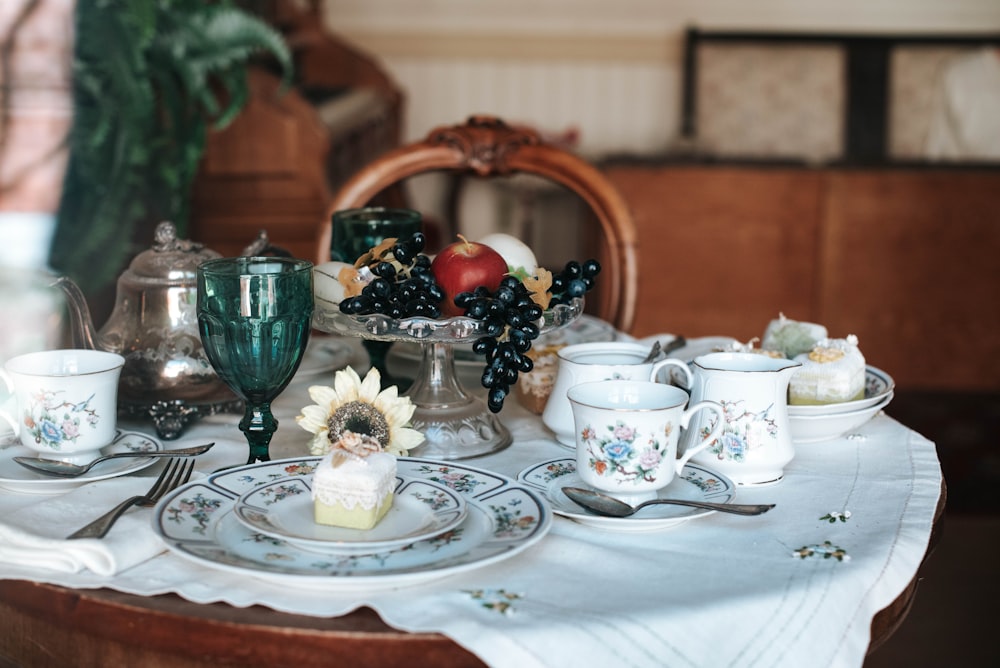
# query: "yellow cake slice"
{"type": "Point", "coordinates": [832, 372]}
{"type": "Point", "coordinates": [353, 492]}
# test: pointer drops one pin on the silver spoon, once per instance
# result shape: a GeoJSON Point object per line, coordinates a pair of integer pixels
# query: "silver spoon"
{"type": "Point", "coordinates": [67, 470]}
{"type": "Point", "coordinates": [602, 504]}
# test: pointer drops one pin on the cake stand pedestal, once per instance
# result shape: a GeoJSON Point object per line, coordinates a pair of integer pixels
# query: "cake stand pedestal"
{"type": "Point", "coordinates": [456, 424]}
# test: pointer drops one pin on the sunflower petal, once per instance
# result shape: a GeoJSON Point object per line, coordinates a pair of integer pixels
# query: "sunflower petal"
{"type": "Point", "coordinates": [346, 383]}
{"type": "Point", "coordinates": [319, 444]}
{"type": "Point", "coordinates": [370, 387]}
{"type": "Point", "coordinates": [324, 396]}
{"type": "Point", "coordinates": [404, 439]}
{"type": "Point", "coordinates": [313, 418]}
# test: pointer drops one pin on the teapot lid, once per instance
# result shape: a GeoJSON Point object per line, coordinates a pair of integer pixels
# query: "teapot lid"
{"type": "Point", "coordinates": [170, 259]}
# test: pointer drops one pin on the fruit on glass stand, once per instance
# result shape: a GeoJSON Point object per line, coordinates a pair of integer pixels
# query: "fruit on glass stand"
{"type": "Point", "coordinates": [472, 279]}
{"type": "Point", "coordinates": [393, 279]}
{"type": "Point", "coordinates": [510, 318]}
{"type": "Point", "coordinates": [326, 281]}
{"type": "Point", "coordinates": [520, 259]}
{"type": "Point", "coordinates": [464, 266]}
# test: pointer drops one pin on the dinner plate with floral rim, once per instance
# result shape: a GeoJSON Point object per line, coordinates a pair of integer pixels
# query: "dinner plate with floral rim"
{"type": "Point", "coordinates": [504, 518]}
{"type": "Point", "coordinates": [16, 478]}
{"type": "Point", "coordinates": [283, 509]}
{"type": "Point", "coordinates": [695, 482]}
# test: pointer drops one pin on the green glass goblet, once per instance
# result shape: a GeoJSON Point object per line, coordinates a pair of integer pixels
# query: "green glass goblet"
{"type": "Point", "coordinates": [254, 314]}
{"type": "Point", "coordinates": [355, 231]}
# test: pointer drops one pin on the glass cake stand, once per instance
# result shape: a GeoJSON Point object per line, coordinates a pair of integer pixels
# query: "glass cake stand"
{"type": "Point", "coordinates": [456, 424]}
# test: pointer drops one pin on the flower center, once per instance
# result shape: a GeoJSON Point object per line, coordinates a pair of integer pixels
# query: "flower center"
{"type": "Point", "coordinates": [361, 418]}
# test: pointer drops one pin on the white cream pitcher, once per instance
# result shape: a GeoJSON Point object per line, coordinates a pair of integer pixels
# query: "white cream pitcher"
{"type": "Point", "coordinates": [601, 360]}
{"type": "Point", "coordinates": [755, 443]}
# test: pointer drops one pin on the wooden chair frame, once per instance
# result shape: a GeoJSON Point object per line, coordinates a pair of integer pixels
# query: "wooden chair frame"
{"type": "Point", "coordinates": [486, 146]}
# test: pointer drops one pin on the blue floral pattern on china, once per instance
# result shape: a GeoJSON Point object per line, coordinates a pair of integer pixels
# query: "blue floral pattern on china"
{"type": "Point", "coordinates": [53, 420]}
{"type": "Point", "coordinates": [504, 518]}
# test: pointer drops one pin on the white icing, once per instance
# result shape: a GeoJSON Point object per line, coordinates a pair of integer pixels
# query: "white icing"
{"type": "Point", "coordinates": [355, 482]}
{"type": "Point", "coordinates": [829, 381]}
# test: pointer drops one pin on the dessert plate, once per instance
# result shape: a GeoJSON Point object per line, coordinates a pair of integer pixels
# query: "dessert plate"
{"type": "Point", "coordinates": [818, 428]}
{"type": "Point", "coordinates": [283, 509]}
{"type": "Point", "coordinates": [695, 482]}
{"type": "Point", "coordinates": [16, 478]}
{"type": "Point", "coordinates": [878, 386]}
{"type": "Point", "coordinates": [504, 518]}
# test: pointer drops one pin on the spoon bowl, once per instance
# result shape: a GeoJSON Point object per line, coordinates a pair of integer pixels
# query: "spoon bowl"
{"type": "Point", "coordinates": [608, 506]}
{"type": "Point", "coordinates": [61, 469]}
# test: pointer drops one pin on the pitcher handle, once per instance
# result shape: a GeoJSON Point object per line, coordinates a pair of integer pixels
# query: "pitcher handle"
{"type": "Point", "coordinates": [712, 436]}
{"type": "Point", "coordinates": [674, 362]}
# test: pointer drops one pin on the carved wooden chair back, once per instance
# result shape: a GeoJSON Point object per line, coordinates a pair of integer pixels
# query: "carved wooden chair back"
{"type": "Point", "coordinates": [486, 146]}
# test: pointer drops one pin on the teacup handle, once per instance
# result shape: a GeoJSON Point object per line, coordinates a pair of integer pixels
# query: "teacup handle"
{"type": "Point", "coordinates": [708, 440]}
{"type": "Point", "coordinates": [680, 364]}
{"type": "Point", "coordinates": [9, 405]}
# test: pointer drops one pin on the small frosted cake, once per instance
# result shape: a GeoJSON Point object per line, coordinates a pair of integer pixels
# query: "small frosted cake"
{"type": "Point", "coordinates": [534, 387]}
{"type": "Point", "coordinates": [353, 491]}
{"type": "Point", "coordinates": [791, 337]}
{"type": "Point", "coordinates": [832, 372]}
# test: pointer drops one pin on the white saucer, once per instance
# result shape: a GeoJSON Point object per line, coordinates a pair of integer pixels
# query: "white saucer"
{"type": "Point", "coordinates": [696, 483]}
{"type": "Point", "coordinates": [16, 478]}
{"type": "Point", "coordinates": [284, 509]}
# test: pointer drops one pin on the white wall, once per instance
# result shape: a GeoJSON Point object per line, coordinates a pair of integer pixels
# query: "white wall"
{"type": "Point", "coordinates": [611, 69]}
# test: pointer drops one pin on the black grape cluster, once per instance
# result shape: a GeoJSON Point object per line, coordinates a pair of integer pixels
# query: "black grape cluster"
{"type": "Point", "coordinates": [574, 280]}
{"type": "Point", "coordinates": [510, 324]}
{"type": "Point", "coordinates": [403, 285]}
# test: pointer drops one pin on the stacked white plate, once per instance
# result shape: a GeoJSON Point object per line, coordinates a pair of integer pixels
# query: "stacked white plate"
{"type": "Point", "coordinates": [811, 424]}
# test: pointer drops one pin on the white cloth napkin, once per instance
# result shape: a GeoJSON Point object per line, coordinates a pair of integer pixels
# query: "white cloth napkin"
{"type": "Point", "coordinates": [35, 534]}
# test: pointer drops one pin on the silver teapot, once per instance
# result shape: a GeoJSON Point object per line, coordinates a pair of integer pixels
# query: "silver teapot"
{"type": "Point", "coordinates": [154, 325]}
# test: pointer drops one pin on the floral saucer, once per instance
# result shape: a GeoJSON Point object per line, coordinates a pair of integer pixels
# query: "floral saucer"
{"type": "Point", "coordinates": [696, 482]}
{"type": "Point", "coordinates": [504, 518]}
{"type": "Point", "coordinates": [16, 478]}
{"type": "Point", "coordinates": [283, 509]}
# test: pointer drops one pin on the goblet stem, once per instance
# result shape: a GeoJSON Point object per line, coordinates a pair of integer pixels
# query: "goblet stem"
{"type": "Point", "coordinates": [259, 425]}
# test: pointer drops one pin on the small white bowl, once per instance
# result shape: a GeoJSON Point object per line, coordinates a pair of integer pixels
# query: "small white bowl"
{"type": "Point", "coordinates": [816, 428]}
{"type": "Point", "coordinates": [878, 385]}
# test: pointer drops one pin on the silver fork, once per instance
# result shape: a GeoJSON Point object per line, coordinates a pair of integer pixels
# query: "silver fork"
{"type": "Point", "coordinates": [174, 474]}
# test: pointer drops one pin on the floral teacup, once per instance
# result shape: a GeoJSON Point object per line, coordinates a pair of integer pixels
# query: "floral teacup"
{"type": "Point", "coordinates": [63, 403]}
{"type": "Point", "coordinates": [627, 433]}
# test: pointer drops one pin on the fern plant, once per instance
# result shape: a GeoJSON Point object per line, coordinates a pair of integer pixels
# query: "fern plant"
{"type": "Point", "coordinates": [150, 79]}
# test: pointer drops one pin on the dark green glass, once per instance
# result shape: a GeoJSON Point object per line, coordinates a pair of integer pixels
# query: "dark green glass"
{"type": "Point", "coordinates": [255, 314]}
{"type": "Point", "coordinates": [355, 232]}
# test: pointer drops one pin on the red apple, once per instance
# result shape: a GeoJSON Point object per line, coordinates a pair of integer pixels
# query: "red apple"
{"type": "Point", "coordinates": [464, 266]}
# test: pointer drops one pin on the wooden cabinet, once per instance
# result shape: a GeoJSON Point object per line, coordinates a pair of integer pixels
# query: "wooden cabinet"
{"type": "Point", "coordinates": [906, 259]}
{"type": "Point", "coordinates": [264, 172]}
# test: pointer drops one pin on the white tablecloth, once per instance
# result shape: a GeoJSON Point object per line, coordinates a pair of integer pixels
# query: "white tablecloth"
{"type": "Point", "coordinates": [720, 590]}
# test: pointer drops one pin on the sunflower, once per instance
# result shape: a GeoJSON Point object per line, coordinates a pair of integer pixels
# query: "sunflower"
{"type": "Point", "coordinates": [355, 406]}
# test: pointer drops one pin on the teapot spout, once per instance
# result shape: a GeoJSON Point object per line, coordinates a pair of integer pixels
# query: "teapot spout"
{"type": "Point", "coordinates": [81, 324]}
